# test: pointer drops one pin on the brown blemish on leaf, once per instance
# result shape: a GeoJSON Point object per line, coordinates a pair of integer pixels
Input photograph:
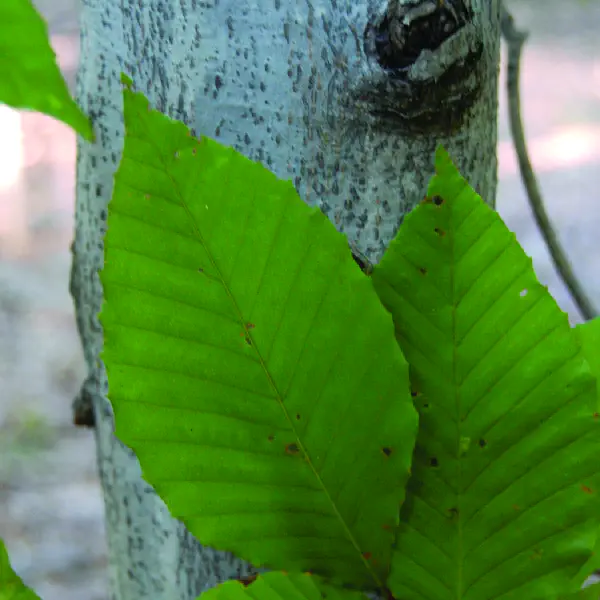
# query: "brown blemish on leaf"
{"type": "Point", "coordinates": [367, 555]}
{"type": "Point", "coordinates": [292, 449]}
{"type": "Point", "coordinates": [246, 581]}
{"type": "Point", "coordinates": [537, 554]}
{"type": "Point", "coordinates": [587, 489]}
{"type": "Point", "coordinates": [440, 232]}
{"type": "Point", "coordinates": [271, 438]}
{"type": "Point", "coordinates": [423, 270]}
{"type": "Point", "coordinates": [516, 507]}
{"type": "Point", "coordinates": [387, 451]}
{"type": "Point", "coordinates": [437, 200]}
{"type": "Point", "coordinates": [250, 325]}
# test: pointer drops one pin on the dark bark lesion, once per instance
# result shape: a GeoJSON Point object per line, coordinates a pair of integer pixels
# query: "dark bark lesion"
{"type": "Point", "coordinates": [408, 28]}
{"type": "Point", "coordinates": [427, 66]}
{"type": "Point", "coordinates": [83, 403]}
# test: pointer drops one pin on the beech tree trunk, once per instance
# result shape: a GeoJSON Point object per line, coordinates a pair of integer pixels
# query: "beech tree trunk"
{"type": "Point", "coordinates": [348, 98]}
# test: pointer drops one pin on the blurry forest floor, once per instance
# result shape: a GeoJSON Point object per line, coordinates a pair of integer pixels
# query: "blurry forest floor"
{"type": "Point", "coordinates": [51, 510]}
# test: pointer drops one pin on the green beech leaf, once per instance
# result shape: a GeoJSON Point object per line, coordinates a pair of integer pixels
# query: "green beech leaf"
{"type": "Point", "coordinates": [251, 366]}
{"type": "Point", "coordinates": [11, 586]}
{"type": "Point", "coordinates": [280, 586]}
{"type": "Point", "coordinates": [29, 75]}
{"type": "Point", "coordinates": [590, 592]}
{"type": "Point", "coordinates": [513, 513]}
{"type": "Point", "coordinates": [588, 335]}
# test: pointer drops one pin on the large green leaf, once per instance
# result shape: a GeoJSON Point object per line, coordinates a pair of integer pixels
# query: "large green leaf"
{"type": "Point", "coordinates": [251, 366]}
{"type": "Point", "coordinates": [591, 592]}
{"type": "Point", "coordinates": [29, 75]}
{"type": "Point", "coordinates": [589, 337]}
{"type": "Point", "coordinates": [11, 586]}
{"type": "Point", "coordinates": [503, 501]}
{"type": "Point", "coordinates": [280, 586]}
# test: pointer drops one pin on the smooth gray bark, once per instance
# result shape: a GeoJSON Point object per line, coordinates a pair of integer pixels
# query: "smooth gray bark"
{"type": "Point", "coordinates": [289, 83]}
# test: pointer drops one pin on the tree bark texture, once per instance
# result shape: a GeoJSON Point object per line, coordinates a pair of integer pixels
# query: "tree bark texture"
{"type": "Point", "coordinates": [348, 98]}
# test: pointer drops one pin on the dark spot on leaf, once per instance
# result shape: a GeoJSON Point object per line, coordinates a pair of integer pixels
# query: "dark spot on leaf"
{"type": "Point", "coordinates": [200, 270]}
{"type": "Point", "coordinates": [433, 462]}
{"type": "Point", "coordinates": [248, 340]}
{"type": "Point", "coordinates": [452, 512]}
{"type": "Point", "coordinates": [271, 438]}
{"type": "Point", "coordinates": [246, 581]}
{"type": "Point", "coordinates": [292, 449]}
{"type": "Point", "coordinates": [587, 489]}
{"type": "Point", "coordinates": [250, 325]}
{"type": "Point", "coordinates": [596, 415]}
{"type": "Point", "coordinates": [367, 555]}
{"type": "Point", "coordinates": [298, 417]}
{"type": "Point", "coordinates": [423, 270]}
{"type": "Point", "coordinates": [387, 451]}
{"type": "Point", "coordinates": [437, 200]}
{"type": "Point", "coordinates": [439, 232]}
{"type": "Point", "coordinates": [482, 443]}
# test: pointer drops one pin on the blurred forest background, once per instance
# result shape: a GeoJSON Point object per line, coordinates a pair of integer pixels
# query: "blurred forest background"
{"type": "Point", "coordinates": [51, 510]}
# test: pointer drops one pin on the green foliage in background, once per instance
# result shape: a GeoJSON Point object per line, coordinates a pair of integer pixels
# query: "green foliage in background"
{"type": "Point", "coordinates": [29, 75]}
{"type": "Point", "coordinates": [11, 586]}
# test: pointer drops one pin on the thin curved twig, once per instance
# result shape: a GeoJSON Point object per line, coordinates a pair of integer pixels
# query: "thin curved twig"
{"type": "Point", "coordinates": [515, 40]}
